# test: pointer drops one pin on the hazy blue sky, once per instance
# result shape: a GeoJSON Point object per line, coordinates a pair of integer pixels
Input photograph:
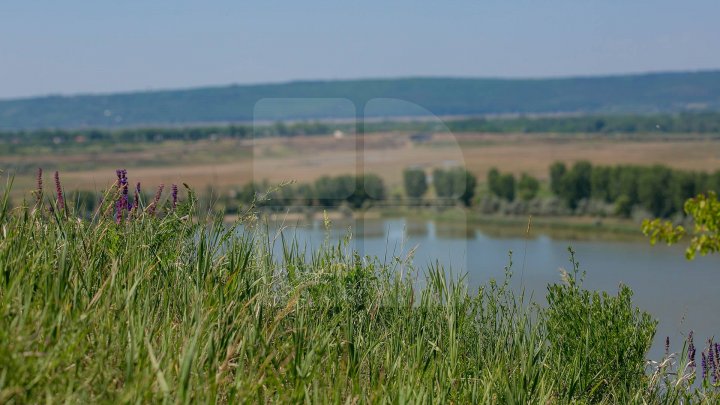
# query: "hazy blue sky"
{"type": "Point", "coordinates": [50, 46]}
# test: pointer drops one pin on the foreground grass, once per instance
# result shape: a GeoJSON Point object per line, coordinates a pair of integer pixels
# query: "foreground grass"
{"type": "Point", "coordinates": [166, 308]}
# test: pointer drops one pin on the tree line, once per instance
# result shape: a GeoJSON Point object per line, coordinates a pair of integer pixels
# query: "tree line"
{"type": "Point", "coordinates": [701, 123]}
{"type": "Point", "coordinates": [325, 192]}
{"type": "Point", "coordinates": [450, 184]}
{"type": "Point", "coordinates": [660, 190]}
{"type": "Point", "coordinates": [143, 135]}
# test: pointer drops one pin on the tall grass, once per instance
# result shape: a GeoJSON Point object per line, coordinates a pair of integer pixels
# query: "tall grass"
{"type": "Point", "coordinates": [161, 306]}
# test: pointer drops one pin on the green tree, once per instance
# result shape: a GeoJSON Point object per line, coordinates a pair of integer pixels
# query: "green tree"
{"type": "Point", "coordinates": [713, 182]}
{"type": "Point", "coordinates": [624, 182]}
{"type": "Point", "coordinates": [368, 187]}
{"type": "Point", "coordinates": [455, 183]}
{"type": "Point", "coordinates": [623, 206]}
{"type": "Point", "coordinates": [305, 194]}
{"type": "Point", "coordinates": [331, 191]}
{"type": "Point", "coordinates": [683, 186]}
{"type": "Point", "coordinates": [557, 172]}
{"type": "Point", "coordinates": [527, 187]}
{"type": "Point", "coordinates": [576, 183]}
{"type": "Point", "coordinates": [493, 182]}
{"type": "Point", "coordinates": [600, 183]}
{"type": "Point", "coordinates": [464, 185]}
{"type": "Point", "coordinates": [415, 183]}
{"type": "Point", "coordinates": [654, 190]}
{"type": "Point", "coordinates": [501, 185]}
{"type": "Point", "coordinates": [442, 183]}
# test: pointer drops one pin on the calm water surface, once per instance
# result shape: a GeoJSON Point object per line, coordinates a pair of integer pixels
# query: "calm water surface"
{"type": "Point", "coordinates": [682, 295]}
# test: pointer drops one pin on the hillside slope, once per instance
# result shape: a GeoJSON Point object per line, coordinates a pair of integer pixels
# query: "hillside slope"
{"type": "Point", "coordinates": [648, 93]}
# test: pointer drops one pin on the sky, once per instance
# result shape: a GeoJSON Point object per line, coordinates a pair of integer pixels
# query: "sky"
{"type": "Point", "coordinates": [99, 46]}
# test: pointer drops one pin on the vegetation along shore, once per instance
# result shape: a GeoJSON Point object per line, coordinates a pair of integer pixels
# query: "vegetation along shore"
{"type": "Point", "coordinates": [145, 300]}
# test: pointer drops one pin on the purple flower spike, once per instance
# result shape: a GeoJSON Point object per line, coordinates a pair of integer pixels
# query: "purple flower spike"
{"type": "Point", "coordinates": [156, 200]}
{"type": "Point", "coordinates": [717, 363]}
{"type": "Point", "coordinates": [691, 350]}
{"type": "Point", "coordinates": [703, 363]}
{"type": "Point", "coordinates": [39, 185]}
{"type": "Point", "coordinates": [123, 185]}
{"type": "Point", "coordinates": [136, 203]}
{"type": "Point", "coordinates": [58, 188]}
{"type": "Point", "coordinates": [174, 195]}
{"type": "Point", "coordinates": [667, 346]}
{"type": "Point", "coordinates": [118, 212]}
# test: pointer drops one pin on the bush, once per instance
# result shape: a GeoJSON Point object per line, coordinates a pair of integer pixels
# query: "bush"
{"type": "Point", "coordinates": [603, 339]}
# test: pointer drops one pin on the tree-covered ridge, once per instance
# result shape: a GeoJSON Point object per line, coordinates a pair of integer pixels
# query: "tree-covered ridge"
{"type": "Point", "coordinates": [647, 93]}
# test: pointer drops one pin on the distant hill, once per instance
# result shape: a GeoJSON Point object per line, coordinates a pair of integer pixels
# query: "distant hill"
{"type": "Point", "coordinates": [626, 94]}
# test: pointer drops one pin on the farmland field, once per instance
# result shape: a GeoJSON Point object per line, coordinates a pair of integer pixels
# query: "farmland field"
{"type": "Point", "coordinates": [226, 163]}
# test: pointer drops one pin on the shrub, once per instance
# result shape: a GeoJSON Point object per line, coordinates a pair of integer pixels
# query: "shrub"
{"type": "Point", "coordinates": [602, 339]}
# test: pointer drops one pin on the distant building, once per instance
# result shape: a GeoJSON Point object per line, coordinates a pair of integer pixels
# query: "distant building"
{"type": "Point", "coordinates": [420, 138]}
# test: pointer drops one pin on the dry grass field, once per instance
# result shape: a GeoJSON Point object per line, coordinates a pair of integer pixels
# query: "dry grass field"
{"type": "Point", "coordinates": [228, 163]}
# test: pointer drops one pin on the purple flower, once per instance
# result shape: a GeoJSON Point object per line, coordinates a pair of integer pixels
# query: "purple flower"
{"type": "Point", "coordinates": [118, 211]}
{"type": "Point", "coordinates": [123, 185]}
{"type": "Point", "coordinates": [691, 350]}
{"type": "Point", "coordinates": [667, 346]}
{"type": "Point", "coordinates": [39, 185]}
{"type": "Point", "coordinates": [58, 188]}
{"type": "Point", "coordinates": [156, 200]}
{"type": "Point", "coordinates": [136, 203]}
{"type": "Point", "coordinates": [703, 363]}
{"type": "Point", "coordinates": [714, 358]}
{"type": "Point", "coordinates": [174, 195]}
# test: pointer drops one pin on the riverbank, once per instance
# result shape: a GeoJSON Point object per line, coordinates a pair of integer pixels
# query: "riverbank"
{"type": "Point", "coordinates": [557, 227]}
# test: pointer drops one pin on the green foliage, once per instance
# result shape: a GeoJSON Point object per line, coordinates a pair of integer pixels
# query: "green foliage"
{"type": "Point", "coordinates": [455, 183]}
{"type": "Point", "coordinates": [175, 308]}
{"type": "Point", "coordinates": [528, 187]}
{"type": "Point", "coordinates": [557, 172]}
{"type": "Point", "coordinates": [603, 336]}
{"type": "Point", "coordinates": [576, 183]}
{"type": "Point", "coordinates": [623, 206]}
{"type": "Point", "coordinates": [501, 185]}
{"type": "Point", "coordinates": [705, 212]}
{"type": "Point", "coordinates": [368, 187]}
{"type": "Point", "coordinates": [654, 190]}
{"type": "Point", "coordinates": [600, 183]}
{"type": "Point", "coordinates": [415, 183]}
{"type": "Point", "coordinates": [658, 189]}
